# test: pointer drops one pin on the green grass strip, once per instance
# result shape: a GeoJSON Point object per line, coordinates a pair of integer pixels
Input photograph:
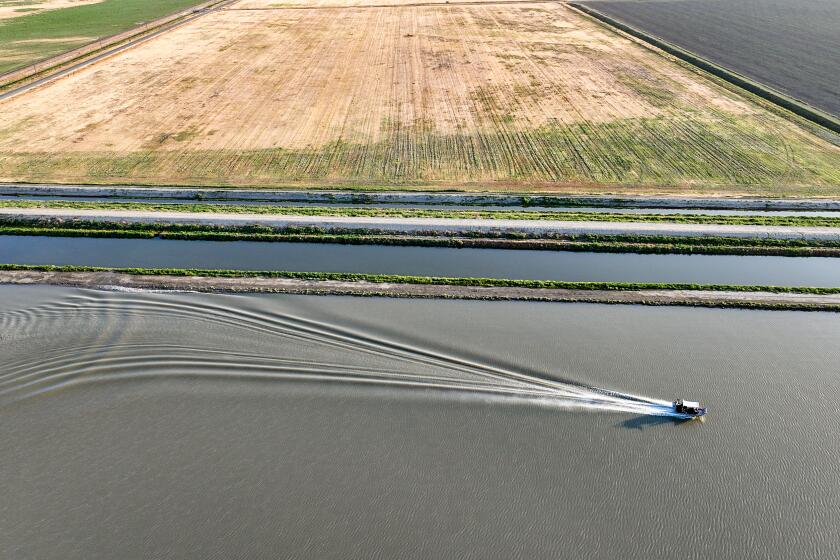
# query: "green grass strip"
{"type": "Point", "coordinates": [812, 221]}
{"type": "Point", "coordinates": [424, 280]}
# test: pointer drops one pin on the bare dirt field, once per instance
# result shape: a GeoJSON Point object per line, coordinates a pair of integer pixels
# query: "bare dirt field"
{"type": "Point", "coordinates": [318, 4]}
{"type": "Point", "coordinates": [515, 96]}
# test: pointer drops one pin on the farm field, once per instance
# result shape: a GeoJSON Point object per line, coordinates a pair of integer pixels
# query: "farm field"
{"type": "Point", "coordinates": [32, 30]}
{"type": "Point", "coordinates": [319, 4]}
{"type": "Point", "coordinates": [791, 45]}
{"type": "Point", "coordinates": [515, 96]}
{"type": "Point", "coordinates": [17, 8]}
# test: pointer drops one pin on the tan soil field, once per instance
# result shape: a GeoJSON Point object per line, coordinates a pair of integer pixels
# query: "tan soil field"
{"type": "Point", "coordinates": [516, 96]}
{"type": "Point", "coordinates": [318, 4]}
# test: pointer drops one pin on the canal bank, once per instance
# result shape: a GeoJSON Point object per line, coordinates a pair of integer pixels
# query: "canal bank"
{"type": "Point", "coordinates": [603, 225]}
{"type": "Point", "coordinates": [750, 297]}
{"type": "Point", "coordinates": [361, 196]}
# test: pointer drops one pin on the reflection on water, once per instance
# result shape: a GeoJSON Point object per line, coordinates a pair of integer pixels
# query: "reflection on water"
{"type": "Point", "coordinates": [209, 426]}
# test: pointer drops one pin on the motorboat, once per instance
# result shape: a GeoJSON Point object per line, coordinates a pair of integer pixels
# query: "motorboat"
{"type": "Point", "coordinates": [689, 409]}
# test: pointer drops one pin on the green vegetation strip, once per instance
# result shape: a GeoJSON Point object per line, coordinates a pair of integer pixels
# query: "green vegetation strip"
{"type": "Point", "coordinates": [32, 37]}
{"type": "Point", "coordinates": [422, 280]}
{"type": "Point", "coordinates": [491, 240]}
{"type": "Point", "coordinates": [272, 210]}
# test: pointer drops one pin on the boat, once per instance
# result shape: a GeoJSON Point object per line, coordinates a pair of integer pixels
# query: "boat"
{"type": "Point", "coordinates": [688, 409]}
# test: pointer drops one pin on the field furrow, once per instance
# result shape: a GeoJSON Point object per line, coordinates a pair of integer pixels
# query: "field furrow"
{"type": "Point", "coordinates": [479, 95]}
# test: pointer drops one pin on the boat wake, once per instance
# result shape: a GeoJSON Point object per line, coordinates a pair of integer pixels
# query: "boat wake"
{"type": "Point", "coordinates": [109, 337]}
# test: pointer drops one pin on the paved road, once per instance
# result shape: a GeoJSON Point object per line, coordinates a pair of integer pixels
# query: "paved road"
{"type": "Point", "coordinates": [431, 224]}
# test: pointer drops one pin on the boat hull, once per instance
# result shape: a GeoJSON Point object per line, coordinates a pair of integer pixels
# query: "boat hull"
{"type": "Point", "coordinates": [689, 415]}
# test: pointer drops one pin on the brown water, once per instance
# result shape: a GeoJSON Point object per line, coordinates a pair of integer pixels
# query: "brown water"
{"type": "Point", "coordinates": [208, 426]}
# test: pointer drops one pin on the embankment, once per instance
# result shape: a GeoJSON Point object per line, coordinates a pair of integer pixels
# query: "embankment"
{"type": "Point", "coordinates": [439, 288]}
{"type": "Point", "coordinates": [413, 225]}
{"type": "Point", "coordinates": [362, 196]}
{"type": "Point", "coordinates": [793, 105]}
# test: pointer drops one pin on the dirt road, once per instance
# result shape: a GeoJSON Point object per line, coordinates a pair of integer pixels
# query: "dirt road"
{"type": "Point", "coordinates": [430, 224]}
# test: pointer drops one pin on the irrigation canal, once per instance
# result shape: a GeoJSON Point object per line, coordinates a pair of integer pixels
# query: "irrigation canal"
{"type": "Point", "coordinates": [422, 261]}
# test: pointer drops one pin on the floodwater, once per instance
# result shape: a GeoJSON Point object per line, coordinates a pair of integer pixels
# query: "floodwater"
{"type": "Point", "coordinates": [211, 426]}
{"type": "Point", "coordinates": [422, 261]}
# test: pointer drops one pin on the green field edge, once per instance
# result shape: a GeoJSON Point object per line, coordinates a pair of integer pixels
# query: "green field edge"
{"type": "Point", "coordinates": [592, 243]}
{"type": "Point", "coordinates": [9, 87]}
{"type": "Point", "coordinates": [327, 211]}
{"type": "Point", "coordinates": [422, 280]}
{"type": "Point", "coordinates": [767, 93]}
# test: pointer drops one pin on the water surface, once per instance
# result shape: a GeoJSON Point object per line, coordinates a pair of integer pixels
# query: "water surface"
{"type": "Point", "coordinates": [422, 261]}
{"type": "Point", "coordinates": [200, 426]}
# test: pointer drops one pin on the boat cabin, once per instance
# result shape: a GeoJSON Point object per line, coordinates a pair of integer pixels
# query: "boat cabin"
{"type": "Point", "coordinates": [687, 407]}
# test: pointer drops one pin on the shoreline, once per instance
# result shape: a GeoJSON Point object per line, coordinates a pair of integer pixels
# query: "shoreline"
{"type": "Point", "coordinates": [116, 280]}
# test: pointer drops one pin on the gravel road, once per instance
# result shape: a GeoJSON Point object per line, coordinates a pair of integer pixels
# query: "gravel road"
{"type": "Point", "coordinates": [430, 224]}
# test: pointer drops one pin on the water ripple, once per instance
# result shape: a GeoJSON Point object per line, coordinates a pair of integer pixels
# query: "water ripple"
{"type": "Point", "coordinates": [101, 353]}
